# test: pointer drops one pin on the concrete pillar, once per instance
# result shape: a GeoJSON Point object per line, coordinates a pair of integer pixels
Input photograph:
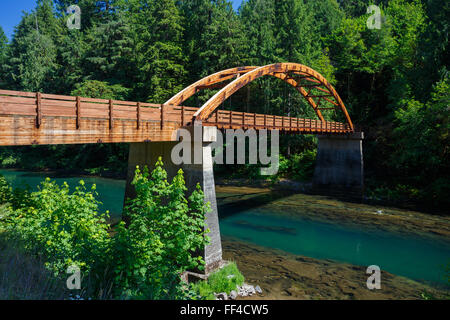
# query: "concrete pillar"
{"type": "Point", "coordinates": [339, 165]}
{"type": "Point", "coordinates": [147, 153]}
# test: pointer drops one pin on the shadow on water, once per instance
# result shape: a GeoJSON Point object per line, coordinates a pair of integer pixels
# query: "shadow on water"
{"type": "Point", "coordinates": [231, 205]}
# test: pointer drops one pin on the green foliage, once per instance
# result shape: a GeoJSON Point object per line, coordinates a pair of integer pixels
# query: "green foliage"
{"type": "Point", "coordinates": [32, 56]}
{"type": "Point", "coordinates": [3, 55]}
{"type": "Point", "coordinates": [15, 198]}
{"type": "Point", "coordinates": [109, 51]}
{"type": "Point", "coordinates": [164, 236]}
{"type": "Point", "coordinates": [157, 52]}
{"type": "Point", "coordinates": [143, 260]}
{"type": "Point", "coordinates": [222, 40]}
{"type": "Point", "coordinates": [425, 156]}
{"type": "Point", "coordinates": [65, 227]}
{"type": "Point", "coordinates": [223, 280]}
{"type": "Point", "coordinates": [100, 90]}
{"type": "Point", "coordinates": [258, 18]}
{"type": "Point", "coordinates": [145, 50]}
{"type": "Point", "coordinates": [6, 193]}
{"type": "Point", "coordinates": [298, 166]}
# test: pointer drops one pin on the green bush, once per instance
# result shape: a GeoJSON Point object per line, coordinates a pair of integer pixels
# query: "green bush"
{"type": "Point", "coordinates": [163, 238]}
{"type": "Point", "coordinates": [143, 260]}
{"type": "Point", "coordinates": [64, 227]}
{"type": "Point", "coordinates": [223, 280]}
{"type": "Point", "coordinates": [298, 166]}
{"type": "Point", "coordinates": [8, 162]}
{"type": "Point", "coordinates": [6, 192]}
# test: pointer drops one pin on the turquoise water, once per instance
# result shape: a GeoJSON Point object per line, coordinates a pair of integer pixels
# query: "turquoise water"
{"type": "Point", "coordinates": [412, 257]}
{"type": "Point", "coordinates": [409, 256]}
{"type": "Point", "coordinates": [110, 191]}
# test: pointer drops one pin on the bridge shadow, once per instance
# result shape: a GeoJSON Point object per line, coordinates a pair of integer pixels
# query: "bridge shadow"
{"type": "Point", "coordinates": [229, 205]}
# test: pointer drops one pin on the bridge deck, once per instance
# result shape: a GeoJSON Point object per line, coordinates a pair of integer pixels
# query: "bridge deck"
{"type": "Point", "coordinates": [28, 118]}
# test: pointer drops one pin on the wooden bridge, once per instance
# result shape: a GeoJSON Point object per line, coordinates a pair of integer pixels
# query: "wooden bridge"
{"type": "Point", "coordinates": [28, 118]}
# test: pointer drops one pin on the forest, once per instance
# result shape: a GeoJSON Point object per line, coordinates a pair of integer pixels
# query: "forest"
{"type": "Point", "coordinates": [393, 80]}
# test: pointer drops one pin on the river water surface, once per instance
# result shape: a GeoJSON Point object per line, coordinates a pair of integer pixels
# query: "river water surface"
{"type": "Point", "coordinates": [289, 230]}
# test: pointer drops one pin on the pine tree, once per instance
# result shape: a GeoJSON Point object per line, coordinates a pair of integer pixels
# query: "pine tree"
{"type": "Point", "coordinates": [109, 51]}
{"type": "Point", "coordinates": [157, 44]}
{"type": "Point", "coordinates": [327, 15]}
{"type": "Point", "coordinates": [258, 18]}
{"type": "Point", "coordinates": [222, 43]}
{"type": "Point", "coordinates": [3, 55]}
{"type": "Point", "coordinates": [197, 15]}
{"type": "Point", "coordinates": [295, 36]}
{"type": "Point", "coordinates": [92, 12]}
{"type": "Point", "coordinates": [32, 61]}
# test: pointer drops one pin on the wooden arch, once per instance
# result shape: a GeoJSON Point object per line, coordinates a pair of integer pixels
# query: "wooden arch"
{"type": "Point", "coordinates": [303, 78]}
{"type": "Point", "coordinates": [209, 82]}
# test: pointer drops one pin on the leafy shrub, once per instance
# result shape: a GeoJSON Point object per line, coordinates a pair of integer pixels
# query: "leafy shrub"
{"type": "Point", "coordinates": [6, 193]}
{"type": "Point", "coordinates": [64, 227]}
{"type": "Point", "coordinates": [163, 238]}
{"type": "Point", "coordinates": [223, 280]}
{"type": "Point", "coordinates": [144, 260]}
{"type": "Point", "coordinates": [298, 166]}
{"type": "Point", "coordinates": [101, 90]}
{"type": "Point", "coordinates": [9, 161]}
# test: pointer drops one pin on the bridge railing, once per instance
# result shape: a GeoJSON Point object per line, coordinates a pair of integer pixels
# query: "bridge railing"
{"type": "Point", "coordinates": [28, 117]}
{"type": "Point", "coordinates": [235, 119]}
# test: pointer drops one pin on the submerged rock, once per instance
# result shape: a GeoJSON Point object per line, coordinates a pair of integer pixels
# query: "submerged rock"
{"type": "Point", "coordinates": [258, 289]}
{"type": "Point", "coordinates": [233, 294]}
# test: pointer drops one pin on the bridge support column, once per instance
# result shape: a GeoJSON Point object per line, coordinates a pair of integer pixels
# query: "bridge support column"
{"type": "Point", "coordinates": [147, 153]}
{"type": "Point", "coordinates": [339, 165]}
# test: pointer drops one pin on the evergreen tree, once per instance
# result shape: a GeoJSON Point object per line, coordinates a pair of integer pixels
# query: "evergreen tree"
{"type": "Point", "coordinates": [158, 54]}
{"type": "Point", "coordinates": [433, 48]}
{"type": "Point", "coordinates": [32, 61]}
{"type": "Point", "coordinates": [109, 51]}
{"type": "Point", "coordinates": [3, 55]}
{"type": "Point", "coordinates": [71, 51]}
{"type": "Point", "coordinates": [295, 36]}
{"type": "Point", "coordinates": [92, 12]}
{"type": "Point", "coordinates": [222, 42]}
{"type": "Point", "coordinates": [197, 16]}
{"type": "Point", "coordinates": [327, 15]}
{"type": "Point", "coordinates": [258, 17]}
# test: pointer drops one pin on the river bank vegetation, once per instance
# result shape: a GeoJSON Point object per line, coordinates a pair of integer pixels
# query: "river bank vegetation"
{"type": "Point", "coordinates": [43, 233]}
{"type": "Point", "coordinates": [393, 80]}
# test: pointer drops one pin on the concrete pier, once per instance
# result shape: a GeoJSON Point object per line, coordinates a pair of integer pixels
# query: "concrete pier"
{"type": "Point", "coordinates": [339, 165]}
{"type": "Point", "coordinates": [147, 153]}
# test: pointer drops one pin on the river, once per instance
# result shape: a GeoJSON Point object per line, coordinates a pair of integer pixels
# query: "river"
{"type": "Point", "coordinates": [310, 226]}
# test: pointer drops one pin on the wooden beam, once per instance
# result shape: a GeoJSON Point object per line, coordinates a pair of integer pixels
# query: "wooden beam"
{"type": "Point", "coordinates": [38, 110]}
{"type": "Point", "coordinates": [111, 115]}
{"type": "Point", "coordinates": [182, 116]}
{"type": "Point", "coordinates": [138, 115]}
{"type": "Point", "coordinates": [162, 116]}
{"type": "Point", "coordinates": [78, 111]}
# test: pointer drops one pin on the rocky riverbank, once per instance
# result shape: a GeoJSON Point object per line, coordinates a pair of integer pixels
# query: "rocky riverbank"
{"type": "Point", "coordinates": [285, 276]}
